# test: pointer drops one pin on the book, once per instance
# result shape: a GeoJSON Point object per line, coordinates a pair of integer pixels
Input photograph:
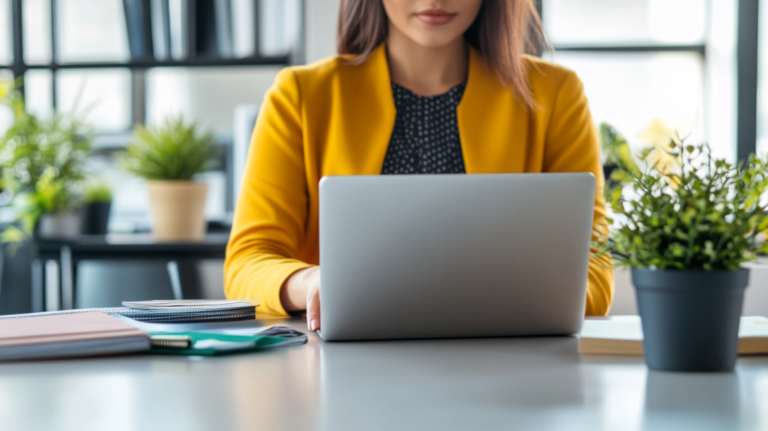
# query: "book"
{"type": "Point", "coordinates": [68, 335]}
{"type": "Point", "coordinates": [623, 335]}
{"type": "Point", "coordinates": [223, 20]}
{"type": "Point", "coordinates": [181, 29]}
{"type": "Point", "coordinates": [161, 29]}
{"type": "Point", "coordinates": [279, 27]}
{"type": "Point", "coordinates": [244, 14]}
{"type": "Point", "coordinates": [138, 26]}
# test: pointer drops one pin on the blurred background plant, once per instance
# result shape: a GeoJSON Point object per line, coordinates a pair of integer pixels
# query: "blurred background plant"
{"type": "Point", "coordinates": [98, 205]}
{"type": "Point", "coordinates": [97, 192]}
{"type": "Point", "coordinates": [169, 157]}
{"type": "Point", "coordinates": [173, 151]}
{"type": "Point", "coordinates": [43, 164]}
{"type": "Point", "coordinates": [50, 196]}
{"type": "Point", "coordinates": [616, 150]}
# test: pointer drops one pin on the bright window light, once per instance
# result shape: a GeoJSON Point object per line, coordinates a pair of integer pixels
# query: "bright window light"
{"type": "Point", "coordinates": [630, 90]}
{"type": "Point", "coordinates": [37, 31]}
{"type": "Point", "coordinates": [208, 95]}
{"type": "Point", "coordinates": [6, 46]}
{"type": "Point", "coordinates": [38, 92]}
{"type": "Point", "coordinates": [100, 96]}
{"type": "Point", "coordinates": [616, 22]}
{"type": "Point", "coordinates": [92, 30]}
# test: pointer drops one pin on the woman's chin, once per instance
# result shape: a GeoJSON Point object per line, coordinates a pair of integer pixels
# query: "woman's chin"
{"type": "Point", "coordinates": [433, 41]}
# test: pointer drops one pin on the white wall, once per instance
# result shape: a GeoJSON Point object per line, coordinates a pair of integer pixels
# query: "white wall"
{"type": "Point", "coordinates": [755, 298]}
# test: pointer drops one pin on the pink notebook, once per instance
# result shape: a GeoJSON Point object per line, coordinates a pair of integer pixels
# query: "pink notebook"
{"type": "Point", "coordinates": [66, 335]}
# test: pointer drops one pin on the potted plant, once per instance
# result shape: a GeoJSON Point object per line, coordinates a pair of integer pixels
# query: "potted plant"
{"type": "Point", "coordinates": [169, 157]}
{"type": "Point", "coordinates": [43, 167]}
{"type": "Point", "coordinates": [685, 224]}
{"type": "Point", "coordinates": [98, 202]}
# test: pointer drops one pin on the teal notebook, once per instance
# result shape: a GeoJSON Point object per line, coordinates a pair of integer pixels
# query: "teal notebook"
{"type": "Point", "coordinates": [208, 344]}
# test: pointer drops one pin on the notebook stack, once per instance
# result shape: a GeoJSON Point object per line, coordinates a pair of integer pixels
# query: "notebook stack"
{"type": "Point", "coordinates": [82, 334]}
{"type": "Point", "coordinates": [167, 311]}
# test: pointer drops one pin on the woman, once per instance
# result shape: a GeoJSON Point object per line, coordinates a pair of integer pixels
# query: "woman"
{"type": "Point", "coordinates": [421, 86]}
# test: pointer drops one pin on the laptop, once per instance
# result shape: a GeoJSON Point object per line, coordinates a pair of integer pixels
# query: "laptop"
{"type": "Point", "coordinates": [447, 256]}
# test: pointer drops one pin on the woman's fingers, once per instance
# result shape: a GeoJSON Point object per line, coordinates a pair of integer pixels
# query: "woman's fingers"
{"type": "Point", "coordinates": [313, 307]}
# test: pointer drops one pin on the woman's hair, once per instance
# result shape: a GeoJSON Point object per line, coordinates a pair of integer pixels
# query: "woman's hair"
{"type": "Point", "coordinates": [503, 31]}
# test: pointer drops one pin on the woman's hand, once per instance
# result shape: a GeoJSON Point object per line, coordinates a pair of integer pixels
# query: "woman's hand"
{"type": "Point", "coordinates": [301, 291]}
{"type": "Point", "coordinates": [313, 306]}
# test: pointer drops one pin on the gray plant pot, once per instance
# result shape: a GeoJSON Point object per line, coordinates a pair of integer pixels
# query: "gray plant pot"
{"type": "Point", "coordinates": [690, 318]}
{"type": "Point", "coordinates": [59, 225]}
{"type": "Point", "coordinates": [96, 218]}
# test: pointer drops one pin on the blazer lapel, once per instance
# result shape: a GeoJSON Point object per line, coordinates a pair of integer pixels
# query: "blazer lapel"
{"type": "Point", "coordinates": [367, 117]}
{"type": "Point", "coordinates": [492, 122]}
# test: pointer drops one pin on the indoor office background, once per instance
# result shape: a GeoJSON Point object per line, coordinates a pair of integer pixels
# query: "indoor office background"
{"type": "Point", "coordinates": [685, 65]}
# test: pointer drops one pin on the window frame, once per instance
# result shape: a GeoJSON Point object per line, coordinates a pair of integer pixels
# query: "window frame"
{"type": "Point", "coordinates": [746, 66]}
{"type": "Point", "coordinates": [138, 63]}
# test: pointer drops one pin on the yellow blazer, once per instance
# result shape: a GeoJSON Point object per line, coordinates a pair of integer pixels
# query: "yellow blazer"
{"type": "Point", "coordinates": [335, 118]}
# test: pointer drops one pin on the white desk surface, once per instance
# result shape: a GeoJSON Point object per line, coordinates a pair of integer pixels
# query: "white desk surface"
{"type": "Point", "coordinates": [473, 384]}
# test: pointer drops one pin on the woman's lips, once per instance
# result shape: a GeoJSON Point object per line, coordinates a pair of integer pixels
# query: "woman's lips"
{"type": "Point", "coordinates": [435, 16]}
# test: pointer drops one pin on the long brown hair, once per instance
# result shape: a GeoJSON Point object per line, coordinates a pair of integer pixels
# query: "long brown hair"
{"type": "Point", "coordinates": [503, 31]}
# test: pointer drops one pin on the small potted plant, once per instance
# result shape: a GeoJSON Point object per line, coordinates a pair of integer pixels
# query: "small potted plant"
{"type": "Point", "coordinates": [98, 203]}
{"type": "Point", "coordinates": [169, 157]}
{"type": "Point", "coordinates": [685, 223]}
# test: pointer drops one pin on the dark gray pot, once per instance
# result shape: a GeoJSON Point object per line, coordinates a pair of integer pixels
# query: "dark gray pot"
{"type": "Point", "coordinates": [690, 318]}
{"type": "Point", "coordinates": [96, 218]}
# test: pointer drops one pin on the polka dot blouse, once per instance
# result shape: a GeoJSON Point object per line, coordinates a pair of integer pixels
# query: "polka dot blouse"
{"type": "Point", "coordinates": [425, 139]}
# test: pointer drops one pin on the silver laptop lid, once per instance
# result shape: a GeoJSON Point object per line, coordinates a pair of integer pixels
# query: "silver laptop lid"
{"type": "Point", "coordinates": [429, 256]}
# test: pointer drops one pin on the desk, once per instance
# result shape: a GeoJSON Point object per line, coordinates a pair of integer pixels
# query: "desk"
{"type": "Point", "coordinates": [54, 261]}
{"type": "Point", "coordinates": [476, 384]}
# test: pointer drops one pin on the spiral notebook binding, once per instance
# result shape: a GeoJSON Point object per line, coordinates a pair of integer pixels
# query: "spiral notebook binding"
{"type": "Point", "coordinates": [171, 341]}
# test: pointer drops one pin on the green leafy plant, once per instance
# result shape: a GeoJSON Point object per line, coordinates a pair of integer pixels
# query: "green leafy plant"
{"type": "Point", "coordinates": [98, 192]}
{"type": "Point", "coordinates": [174, 151]}
{"type": "Point", "coordinates": [42, 163]}
{"type": "Point", "coordinates": [688, 212]}
{"type": "Point", "coordinates": [4, 89]}
{"type": "Point", "coordinates": [616, 149]}
{"type": "Point", "coordinates": [31, 145]}
{"type": "Point", "coordinates": [50, 195]}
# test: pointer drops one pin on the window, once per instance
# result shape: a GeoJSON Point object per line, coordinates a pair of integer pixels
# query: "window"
{"type": "Point", "coordinates": [648, 61]}
{"type": "Point", "coordinates": [629, 90]}
{"type": "Point", "coordinates": [626, 22]}
{"type": "Point", "coordinates": [6, 47]}
{"type": "Point", "coordinates": [39, 92]}
{"type": "Point", "coordinates": [762, 119]}
{"type": "Point", "coordinates": [207, 94]}
{"type": "Point", "coordinates": [100, 96]}
{"type": "Point", "coordinates": [37, 31]}
{"type": "Point", "coordinates": [101, 57]}
{"type": "Point", "coordinates": [91, 30]}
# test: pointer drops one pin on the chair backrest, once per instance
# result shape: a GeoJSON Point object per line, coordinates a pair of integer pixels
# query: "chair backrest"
{"type": "Point", "coordinates": [109, 283]}
{"type": "Point", "coordinates": [15, 280]}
